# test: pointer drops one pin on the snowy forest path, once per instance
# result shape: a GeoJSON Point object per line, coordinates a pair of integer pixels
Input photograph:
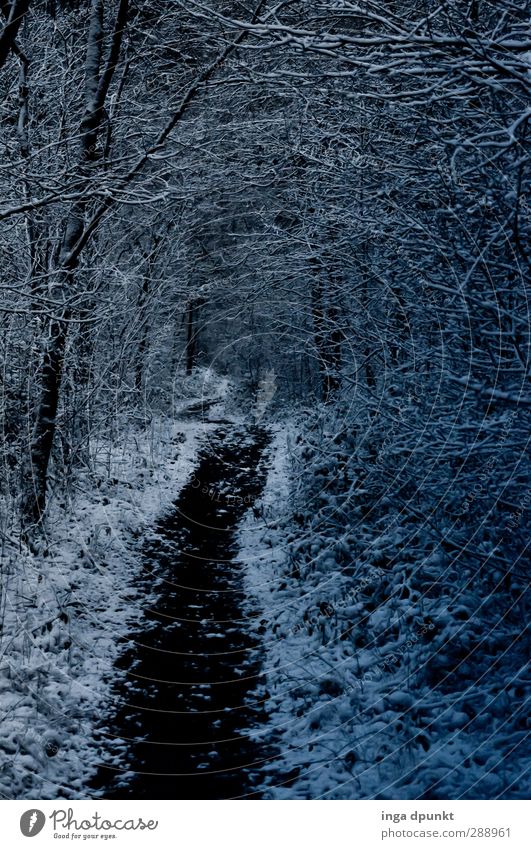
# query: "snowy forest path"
{"type": "Point", "coordinates": [190, 699]}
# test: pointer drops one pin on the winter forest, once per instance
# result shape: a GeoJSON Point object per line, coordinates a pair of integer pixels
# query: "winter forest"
{"type": "Point", "coordinates": [264, 399]}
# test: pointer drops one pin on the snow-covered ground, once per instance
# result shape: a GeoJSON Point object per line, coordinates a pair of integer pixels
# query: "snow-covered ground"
{"type": "Point", "coordinates": [66, 611]}
{"type": "Point", "coordinates": [387, 673]}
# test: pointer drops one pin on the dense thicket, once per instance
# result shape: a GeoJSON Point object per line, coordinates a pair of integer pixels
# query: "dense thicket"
{"type": "Point", "coordinates": [335, 191]}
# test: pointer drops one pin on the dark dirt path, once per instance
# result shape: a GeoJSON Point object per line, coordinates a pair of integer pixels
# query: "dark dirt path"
{"type": "Point", "coordinates": [190, 696]}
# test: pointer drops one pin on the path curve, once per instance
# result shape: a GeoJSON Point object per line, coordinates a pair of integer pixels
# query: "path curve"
{"type": "Point", "coordinates": [191, 695]}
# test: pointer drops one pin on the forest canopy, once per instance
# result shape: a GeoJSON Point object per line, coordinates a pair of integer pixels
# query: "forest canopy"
{"type": "Point", "coordinates": [333, 195]}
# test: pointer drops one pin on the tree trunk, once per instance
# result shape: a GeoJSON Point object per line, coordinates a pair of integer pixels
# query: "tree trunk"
{"type": "Point", "coordinates": [50, 372]}
{"type": "Point", "coordinates": [16, 12]}
{"type": "Point", "coordinates": [327, 336]}
{"type": "Point", "coordinates": [34, 494]}
{"type": "Point", "coordinates": [191, 334]}
{"type": "Point", "coordinates": [144, 333]}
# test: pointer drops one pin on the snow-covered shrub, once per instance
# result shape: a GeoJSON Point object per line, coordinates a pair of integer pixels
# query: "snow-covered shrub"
{"type": "Point", "coordinates": [399, 661]}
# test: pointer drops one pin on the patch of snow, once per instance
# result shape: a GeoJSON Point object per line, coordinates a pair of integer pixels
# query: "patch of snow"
{"type": "Point", "coordinates": [68, 610]}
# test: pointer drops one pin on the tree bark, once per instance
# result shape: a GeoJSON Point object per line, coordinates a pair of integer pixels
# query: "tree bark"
{"type": "Point", "coordinates": [191, 334]}
{"type": "Point", "coordinates": [34, 497]}
{"type": "Point", "coordinates": [50, 372]}
{"type": "Point", "coordinates": [327, 336]}
{"type": "Point", "coordinates": [15, 13]}
{"type": "Point", "coordinates": [144, 333]}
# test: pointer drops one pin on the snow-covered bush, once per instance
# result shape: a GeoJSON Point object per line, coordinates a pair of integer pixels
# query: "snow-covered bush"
{"type": "Point", "coordinates": [397, 667]}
